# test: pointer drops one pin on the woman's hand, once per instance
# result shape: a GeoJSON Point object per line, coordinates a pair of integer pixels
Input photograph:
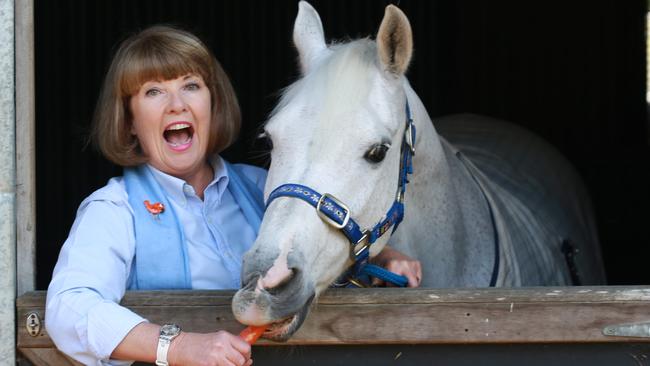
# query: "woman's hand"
{"type": "Point", "coordinates": [212, 349]}
{"type": "Point", "coordinates": [398, 262]}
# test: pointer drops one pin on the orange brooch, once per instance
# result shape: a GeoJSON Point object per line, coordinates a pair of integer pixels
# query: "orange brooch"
{"type": "Point", "coordinates": [155, 208]}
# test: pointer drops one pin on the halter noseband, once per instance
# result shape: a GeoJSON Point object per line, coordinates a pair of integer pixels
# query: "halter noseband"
{"type": "Point", "coordinates": [338, 215]}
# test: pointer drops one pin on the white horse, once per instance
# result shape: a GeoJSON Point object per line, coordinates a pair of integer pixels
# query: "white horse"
{"type": "Point", "coordinates": [487, 204]}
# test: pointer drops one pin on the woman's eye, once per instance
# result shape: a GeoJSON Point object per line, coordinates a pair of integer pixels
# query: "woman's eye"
{"type": "Point", "coordinates": [152, 92]}
{"type": "Point", "coordinates": [377, 153]}
{"type": "Point", "coordinates": [193, 86]}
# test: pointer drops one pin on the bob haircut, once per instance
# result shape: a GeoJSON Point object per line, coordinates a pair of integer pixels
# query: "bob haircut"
{"type": "Point", "coordinates": [159, 53]}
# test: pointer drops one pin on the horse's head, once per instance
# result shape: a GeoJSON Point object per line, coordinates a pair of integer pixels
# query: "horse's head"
{"type": "Point", "coordinates": [337, 130]}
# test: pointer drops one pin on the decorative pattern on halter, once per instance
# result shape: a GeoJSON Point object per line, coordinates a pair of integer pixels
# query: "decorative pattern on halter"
{"type": "Point", "coordinates": [337, 214]}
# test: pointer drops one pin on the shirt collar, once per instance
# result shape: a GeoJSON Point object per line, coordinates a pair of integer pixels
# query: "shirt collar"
{"type": "Point", "coordinates": [178, 190]}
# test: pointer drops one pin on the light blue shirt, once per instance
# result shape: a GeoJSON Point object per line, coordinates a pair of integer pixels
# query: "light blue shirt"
{"type": "Point", "coordinates": [83, 315]}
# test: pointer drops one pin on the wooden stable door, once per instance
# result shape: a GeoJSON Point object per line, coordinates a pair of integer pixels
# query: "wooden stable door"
{"type": "Point", "coordinates": [565, 326]}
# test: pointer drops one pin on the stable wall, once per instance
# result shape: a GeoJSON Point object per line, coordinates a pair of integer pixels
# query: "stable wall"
{"type": "Point", "coordinates": [7, 185]}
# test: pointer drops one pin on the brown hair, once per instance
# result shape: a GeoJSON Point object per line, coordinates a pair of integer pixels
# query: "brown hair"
{"type": "Point", "coordinates": [159, 53]}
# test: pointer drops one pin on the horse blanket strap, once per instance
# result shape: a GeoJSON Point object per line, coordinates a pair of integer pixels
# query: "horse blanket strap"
{"type": "Point", "coordinates": [337, 214]}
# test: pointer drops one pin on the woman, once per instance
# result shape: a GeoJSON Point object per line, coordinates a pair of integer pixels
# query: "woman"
{"type": "Point", "coordinates": [181, 217]}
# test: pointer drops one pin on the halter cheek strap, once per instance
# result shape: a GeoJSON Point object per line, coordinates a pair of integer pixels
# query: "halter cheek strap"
{"type": "Point", "coordinates": [337, 214]}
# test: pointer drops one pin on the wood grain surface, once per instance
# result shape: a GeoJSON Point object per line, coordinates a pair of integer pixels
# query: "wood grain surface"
{"type": "Point", "coordinates": [397, 316]}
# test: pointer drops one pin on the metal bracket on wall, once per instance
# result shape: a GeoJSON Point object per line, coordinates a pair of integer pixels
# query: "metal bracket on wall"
{"type": "Point", "coordinates": [33, 324]}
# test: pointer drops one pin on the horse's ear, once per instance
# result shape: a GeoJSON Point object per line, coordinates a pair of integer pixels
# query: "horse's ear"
{"type": "Point", "coordinates": [395, 40]}
{"type": "Point", "coordinates": [308, 35]}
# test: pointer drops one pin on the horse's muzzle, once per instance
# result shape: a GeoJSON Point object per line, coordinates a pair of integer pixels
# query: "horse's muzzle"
{"type": "Point", "coordinates": [283, 308]}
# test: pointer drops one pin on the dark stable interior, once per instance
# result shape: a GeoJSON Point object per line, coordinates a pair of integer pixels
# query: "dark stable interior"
{"type": "Point", "coordinates": [571, 71]}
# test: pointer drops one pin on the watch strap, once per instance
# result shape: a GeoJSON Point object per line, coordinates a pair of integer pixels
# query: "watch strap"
{"type": "Point", "coordinates": [162, 350]}
{"type": "Point", "coordinates": [167, 334]}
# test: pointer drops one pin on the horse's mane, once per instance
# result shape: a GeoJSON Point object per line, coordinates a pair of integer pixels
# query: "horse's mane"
{"type": "Point", "coordinates": [339, 78]}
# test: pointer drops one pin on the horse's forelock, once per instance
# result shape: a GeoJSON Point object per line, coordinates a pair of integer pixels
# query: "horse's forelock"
{"type": "Point", "coordinates": [341, 76]}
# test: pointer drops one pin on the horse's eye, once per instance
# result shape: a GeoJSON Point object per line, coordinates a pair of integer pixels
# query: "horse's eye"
{"type": "Point", "coordinates": [377, 153]}
{"type": "Point", "coordinates": [267, 139]}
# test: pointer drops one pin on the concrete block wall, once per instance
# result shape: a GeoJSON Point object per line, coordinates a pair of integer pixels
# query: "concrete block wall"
{"type": "Point", "coordinates": [7, 185]}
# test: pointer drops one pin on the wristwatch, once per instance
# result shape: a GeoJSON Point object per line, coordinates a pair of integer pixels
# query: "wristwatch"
{"type": "Point", "coordinates": [167, 334]}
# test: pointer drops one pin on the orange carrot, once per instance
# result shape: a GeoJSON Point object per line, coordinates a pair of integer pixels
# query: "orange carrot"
{"type": "Point", "coordinates": [252, 333]}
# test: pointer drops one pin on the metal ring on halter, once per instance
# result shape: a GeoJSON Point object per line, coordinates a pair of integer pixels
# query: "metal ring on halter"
{"type": "Point", "coordinates": [326, 218]}
{"type": "Point", "coordinates": [399, 197]}
{"type": "Point", "coordinates": [361, 244]}
{"type": "Point", "coordinates": [409, 138]}
{"type": "Point", "coordinates": [357, 283]}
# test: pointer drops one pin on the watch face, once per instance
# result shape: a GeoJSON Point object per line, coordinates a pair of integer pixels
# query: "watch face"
{"type": "Point", "coordinates": [170, 330]}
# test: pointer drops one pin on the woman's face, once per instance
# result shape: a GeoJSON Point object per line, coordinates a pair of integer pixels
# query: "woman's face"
{"type": "Point", "coordinates": [171, 120]}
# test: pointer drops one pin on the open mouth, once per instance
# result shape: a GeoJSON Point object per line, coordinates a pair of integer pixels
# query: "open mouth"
{"type": "Point", "coordinates": [282, 330]}
{"type": "Point", "coordinates": [179, 135]}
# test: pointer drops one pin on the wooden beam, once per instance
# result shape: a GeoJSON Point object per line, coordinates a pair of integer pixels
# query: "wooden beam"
{"type": "Point", "coordinates": [47, 357]}
{"type": "Point", "coordinates": [412, 316]}
{"type": "Point", "coordinates": [25, 149]}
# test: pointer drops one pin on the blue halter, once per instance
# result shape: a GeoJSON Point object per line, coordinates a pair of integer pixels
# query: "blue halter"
{"type": "Point", "coordinates": [337, 214]}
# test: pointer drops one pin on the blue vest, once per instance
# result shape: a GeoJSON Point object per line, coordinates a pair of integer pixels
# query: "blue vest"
{"type": "Point", "coordinates": [161, 259]}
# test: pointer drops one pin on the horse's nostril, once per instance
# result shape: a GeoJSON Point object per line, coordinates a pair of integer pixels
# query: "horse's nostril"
{"type": "Point", "coordinates": [280, 285]}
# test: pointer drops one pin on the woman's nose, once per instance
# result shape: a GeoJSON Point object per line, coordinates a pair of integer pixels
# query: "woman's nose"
{"type": "Point", "coordinates": [176, 103]}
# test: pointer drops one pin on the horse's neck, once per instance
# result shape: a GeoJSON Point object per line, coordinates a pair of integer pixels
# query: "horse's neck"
{"type": "Point", "coordinates": [447, 222]}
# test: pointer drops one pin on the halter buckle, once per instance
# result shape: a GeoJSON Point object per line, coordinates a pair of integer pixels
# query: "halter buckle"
{"type": "Point", "coordinates": [326, 218]}
{"type": "Point", "coordinates": [361, 245]}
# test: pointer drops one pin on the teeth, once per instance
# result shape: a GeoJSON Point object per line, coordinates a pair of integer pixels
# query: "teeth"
{"type": "Point", "coordinates": [178, 126]}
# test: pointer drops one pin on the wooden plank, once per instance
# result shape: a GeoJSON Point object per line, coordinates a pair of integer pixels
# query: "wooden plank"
{"type": "Point", "coordinates": [25, 148]}
{"type": "Point", "coordinates": [397, 316]}
{"type": "Point", "coordinates": [596, 294]}
{"type": "Point", "coordinates": [588, 354]}
{"type": "Point", "coordinates": [47, 356]}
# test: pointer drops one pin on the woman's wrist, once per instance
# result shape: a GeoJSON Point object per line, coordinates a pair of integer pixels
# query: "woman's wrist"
{"type": "Point", "coordinates": [175, 349]}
